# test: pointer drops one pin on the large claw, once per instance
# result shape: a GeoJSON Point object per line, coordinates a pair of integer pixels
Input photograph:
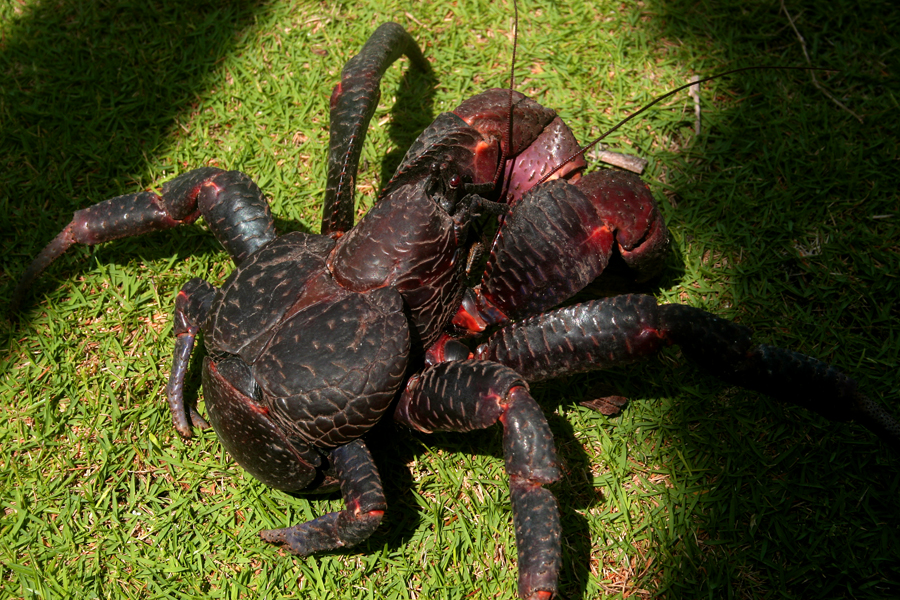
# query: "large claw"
{"type": "Point", "coordinates": [558, 239]}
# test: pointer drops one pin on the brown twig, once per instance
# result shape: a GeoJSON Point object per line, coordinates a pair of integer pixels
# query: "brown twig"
{"type": "Point", "coordinates": [809, 62]}
{"type": "Point", "coordinates": [629, 162]}
{"type": "Point", "coordinates": [694, 92]}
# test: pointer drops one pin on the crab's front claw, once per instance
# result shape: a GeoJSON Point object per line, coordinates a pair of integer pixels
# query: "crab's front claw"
{"type": "Point", "coordinates": [627, 208]}
{"type": "Point", "coordinates": [558, 239]}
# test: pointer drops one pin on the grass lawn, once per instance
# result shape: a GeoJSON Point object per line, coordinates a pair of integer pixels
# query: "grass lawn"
{"type": "Point", "coordinates": [785, 216]}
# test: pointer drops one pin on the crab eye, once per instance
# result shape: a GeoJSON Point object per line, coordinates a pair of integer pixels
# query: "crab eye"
{"type": "Point", "coordinates": [455, 181]}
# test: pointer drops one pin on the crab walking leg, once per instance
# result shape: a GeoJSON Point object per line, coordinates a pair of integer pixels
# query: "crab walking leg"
{"type": "Point", "coordinates": [725, 349]}
{"type": "Point", "coordinates": [353, 103]}
{"type": "Point", "coordinates": [363, 498]}
{"type": "Point", "coordinates": [471, 394]}
{"type": "Point", "coordinates": [625, 329]}
{"type": "Point", "coordinates": [234, 208]}
{"type": "Point", "coordinates": [191, 308]}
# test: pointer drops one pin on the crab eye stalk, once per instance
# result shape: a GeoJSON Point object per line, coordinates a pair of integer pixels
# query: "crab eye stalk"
{"type": "Point", "coordinates": [455, 181]}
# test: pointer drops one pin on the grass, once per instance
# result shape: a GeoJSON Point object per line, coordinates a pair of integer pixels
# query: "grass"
{"type": "Point", "coordinates": [784, 217]}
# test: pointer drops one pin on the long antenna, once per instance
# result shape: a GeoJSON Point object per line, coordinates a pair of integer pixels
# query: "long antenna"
{"type": "Point", "coordinates": [501, 165]}
{"type": "Point", "coordinates": [512, 74]}
{"type": "Point", "coordinates": [663, 97]}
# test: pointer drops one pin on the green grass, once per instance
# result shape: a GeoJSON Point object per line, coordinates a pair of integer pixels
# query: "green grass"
{"type": "Point", "coordinates": [784, 217]}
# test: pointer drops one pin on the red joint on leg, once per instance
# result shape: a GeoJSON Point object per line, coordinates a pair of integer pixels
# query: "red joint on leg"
{"type": "Point", "coordinates": [507, 401]}
{"type": "Point", "coordinates": [211, 184]}
{"type": "Point", "coordinates": [645, 343]}
{"type": "Point", "coordinates": [335, 94]}
{"type": "Point", "coordinates": [502, 418]}
{"type": "Point", "coordinates": [663, 335]}
{"type": "Point", "coordinates": [476, 313]}
{"type": "Point", "coordinates": [504, 404]}
{"type": "Point", "coordinates": [469, 322]}
{"type": "Point", "coordinates": [190, 218]}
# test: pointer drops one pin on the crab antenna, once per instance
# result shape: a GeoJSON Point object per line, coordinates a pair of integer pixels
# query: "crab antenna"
{"type": "Point", "coordinates": [663, 97]}
{"type": "Point", "coordinates": [512, 74]}
{"type": "Point", "coordinates": [512, 84]}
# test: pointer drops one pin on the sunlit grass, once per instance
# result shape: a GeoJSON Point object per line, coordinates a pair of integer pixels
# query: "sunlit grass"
{"type": "Point", "coordinates": [784, 216]}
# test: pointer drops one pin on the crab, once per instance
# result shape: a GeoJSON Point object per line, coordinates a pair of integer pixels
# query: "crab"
{"type": "Point", "coordinates": [187, 295]}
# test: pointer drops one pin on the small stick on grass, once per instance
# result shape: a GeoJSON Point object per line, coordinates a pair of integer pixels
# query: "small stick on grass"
{"type": "Point", "coordinates": [813, 73]}
{"type": "Point", "coordinates": [694, 91]}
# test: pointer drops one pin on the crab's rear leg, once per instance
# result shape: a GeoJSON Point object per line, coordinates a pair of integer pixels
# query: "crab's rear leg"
{"type": "Point", "coordinates": [353, 103]}
{"type": "Point", "coordinates": [364, 507]}
{"type": "Point", "coordinates": [234, 207]}
{"type": "Point", "coordinates": [468, 395]}
{"type": "Point", "coordinates": [625, 329]}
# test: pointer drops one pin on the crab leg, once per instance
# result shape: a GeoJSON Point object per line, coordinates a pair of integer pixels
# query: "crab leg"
{"type": "Point", "coordinates": [234, 208]}
{"type": "Point", "coordinates": [191, 308]}
{"type": "Point", "coordinates": [353, 103]}
{"type": "Point", "coordinates": [471, 394]}
{"type": "Point", "coordinates": [625, 329]}
{"type": "Point", "coordinates": [363, 498]}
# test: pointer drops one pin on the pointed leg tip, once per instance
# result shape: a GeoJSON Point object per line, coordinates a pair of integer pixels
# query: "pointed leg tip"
{"type": "Point", "coordinates": [199, 421]}
{"type": "Point", "coordinates": [272, 536]}
{"type": "Point", "coordinates": [287, 539]}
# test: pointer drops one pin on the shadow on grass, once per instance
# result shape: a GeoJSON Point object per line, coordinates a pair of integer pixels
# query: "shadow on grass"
{"type": "Point", "coordinates": [84, 115]}
{"type": "Point", "coordinates": [792, 202]}
{"type": "Point", "coordinates": [89, 92]}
